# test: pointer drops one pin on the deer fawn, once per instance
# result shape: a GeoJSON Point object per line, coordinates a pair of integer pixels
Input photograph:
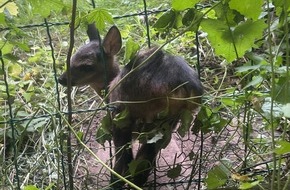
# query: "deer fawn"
{"type": "Point", "coordinates": [154, 95]}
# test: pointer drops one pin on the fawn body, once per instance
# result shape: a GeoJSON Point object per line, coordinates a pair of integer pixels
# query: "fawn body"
{"type": "Point", "coordinates": [154, 94]}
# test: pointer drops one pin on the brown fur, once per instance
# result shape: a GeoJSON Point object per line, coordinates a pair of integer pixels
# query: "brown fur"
{"type": "Point", "coordinates": [154, 94]}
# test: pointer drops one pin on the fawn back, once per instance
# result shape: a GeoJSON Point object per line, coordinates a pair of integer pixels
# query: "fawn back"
{"type": "Point", "coordinates": [154, 88]}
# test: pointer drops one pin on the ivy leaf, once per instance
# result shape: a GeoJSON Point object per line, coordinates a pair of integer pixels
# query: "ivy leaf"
{"type": "Point", "coordinates": [45, 7]}
{"type": "Point", "coordinates": [100, 17]}
{"type": "Point", "coordinates": [184, 4]}
{"type": "Point", "coordinates": [249, 8]}
{"type": "Point", "coordinates": [224, 40]}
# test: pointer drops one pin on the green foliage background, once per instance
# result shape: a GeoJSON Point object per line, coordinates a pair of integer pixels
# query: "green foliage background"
{"type": "Point", "coordinates": [249, 39]}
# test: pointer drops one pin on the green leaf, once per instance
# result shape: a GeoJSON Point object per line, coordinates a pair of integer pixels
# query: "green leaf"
{"type": "Point", "coordinates": [283, 147]}
{"type": "Point", "coordinates": [166, 20]}
{"type": "Point", "coordinates": [249, 8]}
{"type": "Point", "coordinates": [101, 17]}
{"type": "Point", "coordinates": [30, 187]}
{"type": "Point", "coordinates": [249, 185]}
{"type": "Point", "coordinates": [247, 68]}
{"type": "Point", "coordinates": [106, 123]}
{"type": "Point", "coordinates": [122, 119]}
{"type": "Point", "coordinates": [6, 47]}
{"type": "Point", "coordinates": [102, 136]}
{"type": "Point", "coordinates": [44, 8]}
{"type": "Point", "coordinates": [138, 165]}
{"type": "Point", "coordinates": [103, 133]}
{"type": "Point", "coordinates": [2, 19]}
{"type": "Point", "coordinates": [286, 110]}
{"type": "Point", "coordinates": [268, 111]}
{"type": "Point", "coordinates": [80, 134]}
{"type": "Point", "coordinates": [224, 13]}
{"type": "Point", "coordinates": [178, 21]}
{"type": "Point", "coordinates": [184, 4]}
{"type": "Point", "coordinates": [256, 81]}
{"type": "Point", "coordinates": [131, 49]}
{"type": "Point", "coordinates": [282, 3]}
{"type": "Point", "coordinates": [282, 90]}
{"type": "Point", "coordinates": [224, 40]}
{"type": "Point", "coordinates": [190, 17]}
{"type": "Point", "coordinates": [186, 120]}
{"type": "Point", "coordinates": [35, 124]}
{"type": "Point", "coordinates": [174, 172]}
{"type": "Point", "coordinates": [14, 70]}
{"type": "Point", "coordinates": [218, 176]}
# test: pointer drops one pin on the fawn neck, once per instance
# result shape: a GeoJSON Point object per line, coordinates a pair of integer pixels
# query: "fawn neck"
{"type": "Point", "coordinates": [101, 82]}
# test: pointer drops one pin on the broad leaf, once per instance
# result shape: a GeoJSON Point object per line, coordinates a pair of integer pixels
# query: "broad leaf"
{"type": "Point", "coordinates": [184, 4]}
{"type": "Point", "coordinates": [232, 44]}
{"type": "Point", "coordinates": [218, 176]}
{"type": "Point", "coordinates": [166, 20]}
{"type": "Point", "coordinates": [249, 8]}
{"type": "Point", "coordinates": [101, 17]}
{"type": "Point", "coordinates": [44, 8]}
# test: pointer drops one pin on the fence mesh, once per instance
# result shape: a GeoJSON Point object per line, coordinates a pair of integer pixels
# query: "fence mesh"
{"type": "Point", "coordinates": [35, 138]}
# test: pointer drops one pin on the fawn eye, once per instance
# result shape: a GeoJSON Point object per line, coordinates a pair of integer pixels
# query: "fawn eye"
{"type": "Point", "coordinates": [87, 68]}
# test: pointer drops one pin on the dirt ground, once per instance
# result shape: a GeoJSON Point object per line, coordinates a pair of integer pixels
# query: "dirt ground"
{"type": "Point", "coordinates": [184, 153]}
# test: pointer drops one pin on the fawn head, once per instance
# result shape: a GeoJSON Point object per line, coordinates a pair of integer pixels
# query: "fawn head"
{"type": "Point", "coordinates": [93, 64]}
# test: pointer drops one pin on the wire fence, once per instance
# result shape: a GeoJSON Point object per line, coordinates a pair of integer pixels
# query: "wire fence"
{"type": "Point", "coordinates": [39, 138]}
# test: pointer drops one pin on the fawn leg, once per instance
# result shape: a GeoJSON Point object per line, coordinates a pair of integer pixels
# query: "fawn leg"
{"type": "Point", "coordinates": [122, 138]}
{"type": "Point", "coordinates": [146, 153]}
{"type": "Point", "coordinates": [149, 151]}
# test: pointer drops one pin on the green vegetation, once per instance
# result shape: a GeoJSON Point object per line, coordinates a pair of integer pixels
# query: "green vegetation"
{"type": "Point", "coordinates": [243, 59]}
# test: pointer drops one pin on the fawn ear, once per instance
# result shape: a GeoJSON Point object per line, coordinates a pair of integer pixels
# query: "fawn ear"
{"type": "Point", "coordinates": [93, 32]}
{"type": "Point", "coordinates": [112, 42]}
